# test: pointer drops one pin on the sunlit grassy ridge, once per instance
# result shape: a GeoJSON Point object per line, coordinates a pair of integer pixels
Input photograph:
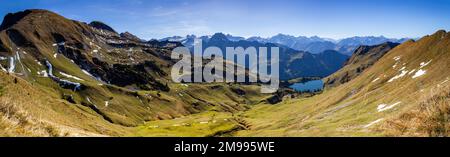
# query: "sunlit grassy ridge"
{"type": "Point", "coordinates": [405, 93]}
{"type": "Point", "coordinates": [130, 88]}
{"type": "Point", "coordinates": [357, 107]}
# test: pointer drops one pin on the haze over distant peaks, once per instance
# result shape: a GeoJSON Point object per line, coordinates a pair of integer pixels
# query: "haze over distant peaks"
{"type": "Point", "coordinates": [313, 44]}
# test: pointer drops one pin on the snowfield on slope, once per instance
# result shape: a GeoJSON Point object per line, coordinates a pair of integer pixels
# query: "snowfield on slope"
{"type": "Point", "coordinates": [384, 107]}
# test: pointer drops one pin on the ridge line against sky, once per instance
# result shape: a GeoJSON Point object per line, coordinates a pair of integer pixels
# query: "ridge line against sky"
{"type": "Point", "coordinates": [155, 19]}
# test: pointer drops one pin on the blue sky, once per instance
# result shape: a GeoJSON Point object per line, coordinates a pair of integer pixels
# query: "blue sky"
{"type": "Point", "coordinates": [326, 18]}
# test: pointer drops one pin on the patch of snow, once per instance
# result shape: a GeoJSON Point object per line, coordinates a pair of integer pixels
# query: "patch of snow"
{"type": "Point", "coordinates": [1, 67]}
{"type": "Point", "coordinates": [185, 85]}
{"type": "Point", "coordinates": [95, 51]}
{"type": "Point", "coordinates": [403, 73]}
{"type": "Point", "coordinates": [374, 122]}
{"type": "Point", "coordinates": [39, 63]}
{"type": "Point", "coordinates": [204, 122]}
{"type": "Point", "coordinates": [12, 66]}
{"type": "Point", "coordinates": [61, 81]}
{"type": "Point", "coordinates": [137, 97]}
{"type": "Point", "coordinates": [412, 71]}
{"type": "Point", "coordinates": [18, 59]}
{"type": "Point", "coordinates": [3, 58]}
{"type": "Point", "coordinates": [375, 80]}
{"type": "Point", "coordinates": [384, 107]}
{"type": "Point", "coordinates": [106, 103]}
{"type": "Point", "coordinates": [54, 55]}
{"type": "Point", "coordinates": [55, 44]}
{"type": "Point", "coordinates": [70, 76]}
{"type": "Point", "coordinates": [43, 73]}
{"type": "Point", "coordinates": [381, 106]}
{"type": "Point", "coordinates": [87, 73]}
{"type": "Point", "coordinates": [423, 64]}
{"type": "Point", "coordinates": [89, 100]}
{"type": "Point", "coordinates": [419, 73]}
{"type": "Point", "coordinates": [397, 58]}
{"type": "Point", "coordinates": [401, 69]}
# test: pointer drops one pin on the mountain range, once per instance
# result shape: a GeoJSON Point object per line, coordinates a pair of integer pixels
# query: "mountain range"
{"type": "Point", "coordinates": [312, 44]}
{"type": "Point", "coordinates": [293, 63]}
{"type": "Point", "coordinates": [62, 77]}
{"type": "Point", "coordinates": [403, 90]}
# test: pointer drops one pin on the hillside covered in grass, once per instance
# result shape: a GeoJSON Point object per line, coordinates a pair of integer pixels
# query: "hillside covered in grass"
{"type": "Point", "coordinates": [405, 93]}
{"type": "Point", "coordinates": [60, 77]}
{"type": "Point", "coordinates": [64, 77]}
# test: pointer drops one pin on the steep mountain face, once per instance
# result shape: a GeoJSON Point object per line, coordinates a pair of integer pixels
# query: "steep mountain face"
{"type": "Point", "coordinates": [46, 35]}
{"type": "Point", "coordinates": [363, 58]}
{"type": "Point", "coordinates": [405, 93]}
{"type": "Point", "coordinates": [311, 65]}
{"type": "Point", "coordinates": [293, 63]}
{"type": "Point", "coordinates": [89, 80]}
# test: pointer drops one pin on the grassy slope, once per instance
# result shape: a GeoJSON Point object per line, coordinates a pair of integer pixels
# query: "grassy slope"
{"type": "Point", "coordinates": [126, 107]}
{"type": "Point", "coordinates": [364, 57]}
{"type": "Point", "coordinates": [35, 113]}
{"type": "Point", "coordinates": [33, 105]}
{"type": "Point", "coordinates": [44, 113]}
{"type": "Point", "coordinates": [348, 110]}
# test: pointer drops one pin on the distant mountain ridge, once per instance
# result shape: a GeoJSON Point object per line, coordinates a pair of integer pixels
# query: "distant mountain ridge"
{"type": "Point", "coordinates": [363, 58]}
{"type": "Point", "coordinates": [293, 63]}
{"type": "Point", "coordinates": [312, 44]}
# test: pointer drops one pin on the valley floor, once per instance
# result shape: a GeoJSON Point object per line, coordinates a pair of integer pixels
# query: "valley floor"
{"type": "Point", "coordinates": [334, 112]}
{"type": "Point", "coordinates": [300, 117]}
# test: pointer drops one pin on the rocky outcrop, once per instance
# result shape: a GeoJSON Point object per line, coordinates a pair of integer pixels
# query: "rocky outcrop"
{"type": "Point", "coordinates": [101, 26]}
{"type": "Point", "coordinates": [129, 36]}
{"type": "Point", "coordinates": [12, 18]}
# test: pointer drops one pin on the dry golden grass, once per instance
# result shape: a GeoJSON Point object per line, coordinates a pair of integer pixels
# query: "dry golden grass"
{"type": "Point", "coordinates": [431, 118]}
{"type": "Point", "coordinates": [351, 109]}
{"type": "Point", "coordinates": [14, 121]}
{"type": "Point", "coordinates": [29, 111]}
